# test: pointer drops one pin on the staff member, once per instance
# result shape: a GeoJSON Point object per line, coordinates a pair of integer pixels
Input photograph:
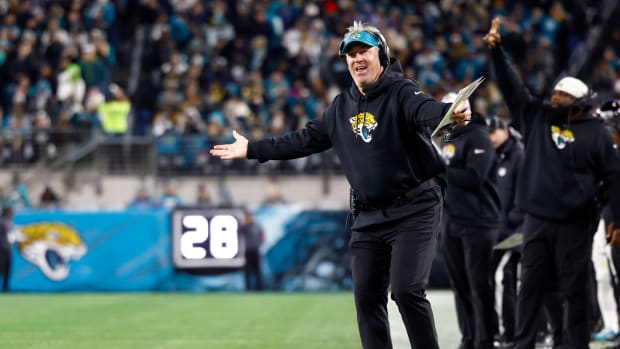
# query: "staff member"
{"type": "Point", "coordinates": [509, 151]}
{"type": "Point", "coordinates": [471, 221]}
{"type": "Point", "coordinates": [380, 129]}
{"type": "Point", "coordinates": [568, 154]}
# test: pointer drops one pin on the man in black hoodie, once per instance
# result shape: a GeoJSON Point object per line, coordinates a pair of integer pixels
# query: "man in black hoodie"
{"type": "Point", "coordinates": [509, 150]}
{"type": "Point", "coordinates": [568, 155]}
{"type": "Point", "coordinates": [380, 129]}
{"type": "Point", "coordinates": [472, 216]}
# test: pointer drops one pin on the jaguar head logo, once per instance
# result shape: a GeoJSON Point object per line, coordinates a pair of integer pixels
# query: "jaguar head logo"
{"type": "Point", "coordinates": [561, 137]}
{"type": "Point", "coordinates": [363, 124]}
{"type": "Point", "coordinates": [447, 152]}
{"type": "Point", "coordinates": [50, 246]}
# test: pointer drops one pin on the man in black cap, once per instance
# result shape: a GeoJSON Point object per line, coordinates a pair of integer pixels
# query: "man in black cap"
{"type": "Point", "coordinates": [380, 129]}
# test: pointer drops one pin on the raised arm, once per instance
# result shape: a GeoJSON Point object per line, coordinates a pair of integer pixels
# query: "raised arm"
{"type": "Point", "coordinates": [515, 93]}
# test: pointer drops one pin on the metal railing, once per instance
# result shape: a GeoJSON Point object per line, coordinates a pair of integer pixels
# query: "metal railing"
{"type": "Point", "coordinates": [170, 155]}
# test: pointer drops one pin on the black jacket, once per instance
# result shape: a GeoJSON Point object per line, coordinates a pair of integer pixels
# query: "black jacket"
{"type": "Point", "coordinates": [472, 198]}
{"type": "Point", "coordinates": [509, 162]}
{"type": "Point", "coordinates": [565, 160]}
{"type": "Point", "coordinates": [382, 139]}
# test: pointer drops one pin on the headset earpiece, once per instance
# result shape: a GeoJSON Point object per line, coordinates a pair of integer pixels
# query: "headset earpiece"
{"type": "Point", "coordinates": [384, 49]}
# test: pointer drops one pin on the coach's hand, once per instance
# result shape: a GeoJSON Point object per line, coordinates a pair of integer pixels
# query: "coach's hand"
{"type": "Point", "coordinates": [237, 150]}
{"type": "Point", "coordinates": [613, 235]}
{"type": "Point", "coordinates": [493, 37]}
{"type": "Point", "coordinates": [462, 113]}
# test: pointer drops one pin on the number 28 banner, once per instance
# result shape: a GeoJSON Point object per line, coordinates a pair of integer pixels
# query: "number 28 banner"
{"type": "Point", "coordinates": [207, 238]}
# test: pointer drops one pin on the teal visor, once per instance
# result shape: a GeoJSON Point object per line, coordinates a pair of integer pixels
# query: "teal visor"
{"type": "Point", "coordinates": [363, 37]}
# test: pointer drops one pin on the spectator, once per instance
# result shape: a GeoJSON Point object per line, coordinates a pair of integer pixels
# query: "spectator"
{"type": "Point", "coordinates": [114, 114]}
{"type": "Point", "coordinates": [142, 200]}
{"type": "Point", "coordinates": [203, 198]}
{"type": "Point", "coordinates": [49, 199]}
{"type": "Point", "coordinates": [170, 199]}
{"type": "Point", "coordinates": [273, 196]}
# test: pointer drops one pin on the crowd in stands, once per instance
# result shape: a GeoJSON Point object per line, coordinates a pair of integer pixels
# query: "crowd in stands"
{"type": "Point", "coordinates": [266, 67]}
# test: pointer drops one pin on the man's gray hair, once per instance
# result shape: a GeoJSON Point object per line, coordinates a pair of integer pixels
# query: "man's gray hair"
{"type": "Point", "coordinates": [359, 26]}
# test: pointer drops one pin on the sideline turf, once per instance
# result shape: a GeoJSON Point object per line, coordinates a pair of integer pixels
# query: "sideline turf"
{"type": "Point", "coordinates": [178, 320]}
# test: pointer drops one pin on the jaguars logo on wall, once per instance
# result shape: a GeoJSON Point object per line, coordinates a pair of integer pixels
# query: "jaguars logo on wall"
{"type": "Point", "coordinates": [50, 246]}
{"type": "Point", "coordinates": [363, 124]}
{"type": "Point", "coordinates": [447, 152]}
{"type": "Point", "coordinates": [561, 137]}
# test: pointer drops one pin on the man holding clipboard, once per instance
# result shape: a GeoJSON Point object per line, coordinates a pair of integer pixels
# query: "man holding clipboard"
{"type": "Point", "coordinates": [380, 129]}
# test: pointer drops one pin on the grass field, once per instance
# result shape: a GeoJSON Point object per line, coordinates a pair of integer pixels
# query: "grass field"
{"type": "Point", "coordinates": [205, 321]}
{"type": "Point", "coordinates": [210, 320]}
{"type": "Point", "coordinates": [149, 321]}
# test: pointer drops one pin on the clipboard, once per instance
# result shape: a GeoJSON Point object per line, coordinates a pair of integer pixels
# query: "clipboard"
{"type": "Point", "coordinates": [463, 94]}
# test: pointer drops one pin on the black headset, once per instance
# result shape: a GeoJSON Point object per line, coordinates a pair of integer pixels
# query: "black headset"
{"type": "Point", "coordinates": [384, 49]}
{"type": "Point", "coordinates": [585, 103]}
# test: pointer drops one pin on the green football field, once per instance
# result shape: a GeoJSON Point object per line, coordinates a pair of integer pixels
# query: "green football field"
{"type": "Point", "coordinates": [205, 321]}
{"type": "Point", "coordinates": [179, 320]}
{"type": "Point", "coordinates": [173, 320]}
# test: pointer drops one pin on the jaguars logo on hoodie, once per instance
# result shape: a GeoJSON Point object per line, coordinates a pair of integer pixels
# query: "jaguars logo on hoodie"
{"type": "Point", "coordinates": [561, 137]}
{"type": "Point", "coordinates": [363, 124]}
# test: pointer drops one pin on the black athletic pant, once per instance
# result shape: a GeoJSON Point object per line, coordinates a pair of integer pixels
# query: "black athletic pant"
{"type": "Point", "coordinates": [253, 277]}
{"type": "Point", "coordinates": [560, 251]}
{"type": "Point", "coordinates": [399, 254]}
{"type": "Point", "coordinates": [5, 269]}
{"type": "Point", "coordinates": [468, 253]}
{"type": "Point", "coordinates": [509, 289]}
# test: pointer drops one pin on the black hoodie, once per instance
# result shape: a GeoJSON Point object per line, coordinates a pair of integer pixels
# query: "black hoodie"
{"type": "Point", "coordinates": [566, 160]}
{"type": "Point", "coordinates": [472, 199]}
{"type": "Point", "coordinates": [509, 162]}
{"type": "Point", "coordinates": [382, 139]}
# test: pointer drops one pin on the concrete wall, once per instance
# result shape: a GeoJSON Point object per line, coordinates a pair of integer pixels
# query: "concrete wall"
{"type": "Point", "coordinates": [87, 191]}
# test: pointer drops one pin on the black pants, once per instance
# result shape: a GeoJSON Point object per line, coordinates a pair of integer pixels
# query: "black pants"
{"type": "Point", "coordinates": [253, 277]}
{"type": "Point", "coordinates": [400, 255]}
{"type": "Point", "coordinates": [509, 289]}
{"type": "Point", "coordinates": [615, 257]}
{"type": "Point", "coordinates": [5, 269]}
{"type": "Point", "coordinates": [555, 251]}
{"type": "Point", "coordinates": [468, 257]}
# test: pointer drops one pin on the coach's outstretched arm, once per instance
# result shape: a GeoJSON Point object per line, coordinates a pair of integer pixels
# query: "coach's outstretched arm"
{"type": "Point", "coordinates": [236, 150]}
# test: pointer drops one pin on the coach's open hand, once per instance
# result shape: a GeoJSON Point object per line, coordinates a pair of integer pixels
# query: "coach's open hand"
{"type": "Point", "coordinates": [492, 38]}
{"type": "Point", "coordinates": [237, 150]}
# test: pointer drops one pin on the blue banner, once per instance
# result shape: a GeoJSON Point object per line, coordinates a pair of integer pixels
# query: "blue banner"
{"type": "Point", "coordinates": [103, 251]}
{"type": "Point", "coordinates": [57, 251]}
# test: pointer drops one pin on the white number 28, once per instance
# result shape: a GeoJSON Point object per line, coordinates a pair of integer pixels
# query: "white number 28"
{"type": "Point", "coordinates": [224, 241]}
